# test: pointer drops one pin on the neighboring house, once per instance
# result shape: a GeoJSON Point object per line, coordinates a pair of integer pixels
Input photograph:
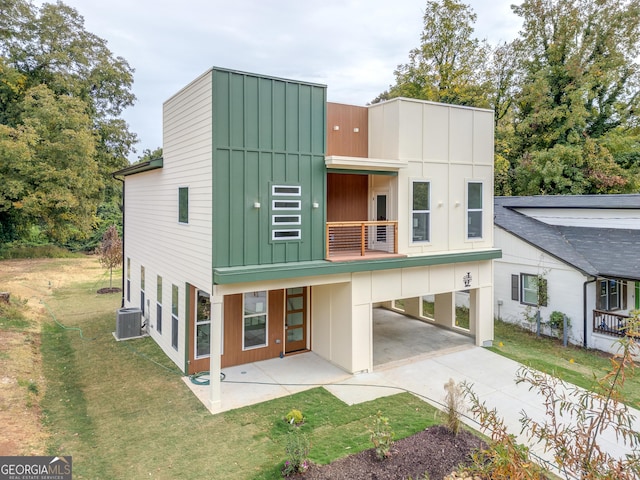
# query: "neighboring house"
{"type": "Point", "coordinates": [581, 253]}
{"type": "Point", "coordinates": [276, 222]}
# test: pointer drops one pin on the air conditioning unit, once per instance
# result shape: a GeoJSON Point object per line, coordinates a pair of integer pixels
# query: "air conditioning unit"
{"type": "Point", "coordinates": [128, 323]}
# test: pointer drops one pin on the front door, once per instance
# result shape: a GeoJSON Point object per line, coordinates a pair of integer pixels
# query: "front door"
{"type": "Point", "coordinates": [296, 320]}
{"type": "Point", "coordinates": [199, 331]}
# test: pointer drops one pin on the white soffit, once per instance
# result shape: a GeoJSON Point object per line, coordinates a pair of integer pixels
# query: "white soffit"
{"type": "Point", "coordinates": [361, 163]}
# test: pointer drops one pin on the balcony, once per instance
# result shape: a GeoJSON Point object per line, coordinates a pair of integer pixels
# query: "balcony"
{"type": "Point", "coordinates": [611, 323]}
{"type": "Point", "coordinates": [347, 241]}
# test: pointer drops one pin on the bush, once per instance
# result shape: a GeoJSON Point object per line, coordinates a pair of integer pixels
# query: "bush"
{"type": "Point", "coordinates": [297, 451]}
{"type": "Point", "coordinates": [294, 417]}
{"type": "Point", "coordinates": [381, 436]}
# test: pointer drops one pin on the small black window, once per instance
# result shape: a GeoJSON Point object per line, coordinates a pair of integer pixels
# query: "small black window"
{"type": "Point", "coordinates": [183, 205]}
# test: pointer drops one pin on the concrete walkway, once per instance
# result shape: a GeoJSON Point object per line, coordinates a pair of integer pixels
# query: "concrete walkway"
{"type": "Point", "coordinates": [492, 377]}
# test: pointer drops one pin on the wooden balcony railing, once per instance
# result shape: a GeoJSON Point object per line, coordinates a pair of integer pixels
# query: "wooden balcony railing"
{"type": "Point", "coordinates": [361, 239]}
{"type": "Point", "coordinates": [611, 323]}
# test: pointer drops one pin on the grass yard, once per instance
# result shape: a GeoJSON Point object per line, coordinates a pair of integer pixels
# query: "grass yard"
{"type": "Point", "coordinates": [122, 411]}
{"type": "Point", "coordinates": [572, 364]}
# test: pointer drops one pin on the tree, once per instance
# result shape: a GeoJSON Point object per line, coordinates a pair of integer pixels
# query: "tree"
{"type": "Point", "coordinates": [51, 179]}
{"type": "Point", "coordinates": [579, 82]}
{"type": "Point", "coordinates": [450, 64]}
{"type": "Point", "coordinates": [48, 47]}
{"type": "Point", "coordinates": [110, 251]}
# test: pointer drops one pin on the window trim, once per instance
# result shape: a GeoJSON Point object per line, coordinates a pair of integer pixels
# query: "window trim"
{"type": "Point", "coordinates": [470, 210]}
{"type": "Point", "coordinates": [413, 212]}
{"type": "Point", "coordinates": [276, 238]}
{"type": "Point", "coordinates": [265, 313]}
{"type": "Point", "coordinates": [541, 285]}
{"type": "Point", "coordinates": [276, 208]}
{"type": "Point", "coordinates": [275, 193]}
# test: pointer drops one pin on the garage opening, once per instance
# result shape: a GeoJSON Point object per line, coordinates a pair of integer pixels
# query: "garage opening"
{"type": "Point", "coordinates": [398, 335]}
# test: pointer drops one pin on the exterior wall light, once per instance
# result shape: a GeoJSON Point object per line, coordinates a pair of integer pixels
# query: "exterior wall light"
{"type": "Point", "coordinates": [256, 205]}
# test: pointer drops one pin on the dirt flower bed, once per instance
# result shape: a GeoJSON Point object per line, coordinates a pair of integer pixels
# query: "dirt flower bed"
{"type": "Point", "coordinates": [434, 450]}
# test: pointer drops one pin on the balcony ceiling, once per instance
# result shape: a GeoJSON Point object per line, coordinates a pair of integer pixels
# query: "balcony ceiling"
{"type": "Point", "coordinates": [363, 163]}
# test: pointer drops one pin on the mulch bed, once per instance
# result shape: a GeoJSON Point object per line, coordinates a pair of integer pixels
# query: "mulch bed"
{"type": "Point", "coordinates": [434, 450]}
{"type": "Point", "coordinates": [109, 290]}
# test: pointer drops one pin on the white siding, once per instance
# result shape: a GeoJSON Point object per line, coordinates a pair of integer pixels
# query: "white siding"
{"type": "Point", "coordinates": [564, 285]}
{"type": "Point", "coordinates": [179, 253]}
{"type": "Point", "coordinates": [448, 146]}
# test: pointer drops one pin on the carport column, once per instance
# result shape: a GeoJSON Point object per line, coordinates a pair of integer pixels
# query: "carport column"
{"type": "Point", "coordinates": [215, 396]}
{"type": "Point", "coordinates": [445, 309]}
{"type": "Point", "coordinates": [481, 314]}
{"type": "Point", "coordinates": [413, 306]}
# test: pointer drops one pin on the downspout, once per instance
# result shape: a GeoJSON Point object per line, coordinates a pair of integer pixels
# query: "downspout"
{"type": "Point", "coordinates": [584, 304]}
{"type": "Point", "coordinates": [123, 236]}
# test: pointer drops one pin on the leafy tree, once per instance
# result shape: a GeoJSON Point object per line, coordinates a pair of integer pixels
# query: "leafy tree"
{"type": "Point", "coordinates": [110, 251]}
{"type": "Point", "coordinates": [579, 83]}
{"type": "Point", "coordinates": [52, 177]}
{"type": "Point", "coordinates": [48, 48]}
{"type": "Point", "coordinates": [450, 65]}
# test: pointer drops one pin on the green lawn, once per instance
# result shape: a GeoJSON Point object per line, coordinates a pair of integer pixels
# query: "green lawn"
{"type": "Point", "coordinates": [122, 411]}
{"type": "Point", "coordinates": [573, 364]}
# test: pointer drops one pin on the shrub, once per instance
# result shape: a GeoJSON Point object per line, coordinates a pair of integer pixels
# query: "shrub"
{"type": "Point", "coordinates": [297, 452]}
{"type": "Point", "coordinates": [454, 400]}
{"type": "Point", "coordinates": [381, 436]}
{"type": "Point", "coordinates": [294, 417]}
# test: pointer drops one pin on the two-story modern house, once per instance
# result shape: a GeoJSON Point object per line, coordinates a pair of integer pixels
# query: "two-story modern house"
{"type": "Point", "coordinates": [275, 222]}
{"type": "Point", "coordinates": [580, 253]}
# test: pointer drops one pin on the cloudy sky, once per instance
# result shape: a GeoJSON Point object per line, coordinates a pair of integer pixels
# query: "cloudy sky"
{"type": "Point", "coordinates": [352, 46]}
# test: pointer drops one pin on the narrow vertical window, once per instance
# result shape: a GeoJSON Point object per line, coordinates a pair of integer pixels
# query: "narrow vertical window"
{"type": "Point", "coordinates": [142, 296]}
{"type": "Point", "coordinates": [254, 324]}
{"type": "Point", "coordinates": [128, 279]}
{"type": "Point", "coordinates": [174, 316]}
{"type": "Point", "coordinates": [203, 325]}
{"type": "Point", "coordinates": [183, 205]}
{"type": "Point", "coordinates": [474, 210]}
{"type": "Point", "coordinates": [159, 304]}
{"type": "Point", "coordinates": [420, 211]}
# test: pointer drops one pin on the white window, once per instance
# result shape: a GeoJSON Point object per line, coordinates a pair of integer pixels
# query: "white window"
{"type": "Point", "coordinates": [202, 331]}
{"type": "Point", "coordinates": [159, 304]}
{"type": "Point", "coordinates": [285, 220]}
{"type": "Point", "coordinates": [254, 322]}
{"type": "Point", "coordinates": [286, 190]}
{"type": "Point", "coordinates": [610, 298]}
{"type": "Point", "coordinates": [174, 316]}
{"type": "Point", "coordinates": [474, 210]}
{"type": "Point", "coordinates": [285, 235]}
{"type": "Point", "coordinates": [286, 205]}
{"type": "Point", "coordinates": [420, 210]}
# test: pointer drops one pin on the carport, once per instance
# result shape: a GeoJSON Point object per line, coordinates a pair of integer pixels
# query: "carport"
{"type": "Point", "coordinates": [398, 337]}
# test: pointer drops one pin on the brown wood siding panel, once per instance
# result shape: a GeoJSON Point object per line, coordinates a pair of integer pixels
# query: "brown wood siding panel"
{"type": "Point", "coordinates": [346, 142]}
{"type": "Point", "coordinates": [347, 197]}
{"type": "Point", "coordinates": [233, 317]}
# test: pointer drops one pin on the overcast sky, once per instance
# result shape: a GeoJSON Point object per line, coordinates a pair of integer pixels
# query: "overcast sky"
{"type": "Point", "coordinates": [352, 46]}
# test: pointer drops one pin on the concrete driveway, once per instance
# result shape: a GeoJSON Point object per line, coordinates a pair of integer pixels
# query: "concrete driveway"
{"type": "Point", "coordinates": [424, 375]}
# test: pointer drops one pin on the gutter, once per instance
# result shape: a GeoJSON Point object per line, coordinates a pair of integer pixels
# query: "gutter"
{"type": "Point", "coordinates": [123, 234]}
{"type": "Point", "coordinates": [584, 312]}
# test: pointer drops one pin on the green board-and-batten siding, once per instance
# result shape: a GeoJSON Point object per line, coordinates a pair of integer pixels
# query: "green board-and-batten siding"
{"type": "Point", "coordinates": [266, 131]}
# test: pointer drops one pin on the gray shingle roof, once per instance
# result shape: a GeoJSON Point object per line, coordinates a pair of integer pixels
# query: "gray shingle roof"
{"type": "Point", "coordinates": [594, 251]}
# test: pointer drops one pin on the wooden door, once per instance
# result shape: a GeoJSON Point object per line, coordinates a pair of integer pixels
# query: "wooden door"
{"type": "Point", "coordinates": [296, 320]}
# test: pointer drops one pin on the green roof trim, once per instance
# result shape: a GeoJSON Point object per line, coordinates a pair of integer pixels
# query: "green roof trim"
{"type": "Point", "coordinates": [140, 167]}
{"type": "Point", "coordinates": [253, 273]}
